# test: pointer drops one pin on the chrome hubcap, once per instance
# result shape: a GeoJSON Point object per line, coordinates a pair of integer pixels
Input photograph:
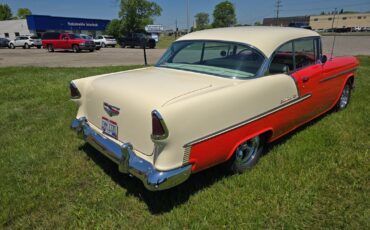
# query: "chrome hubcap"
{"type": "Point", "coordinates": [344, 97]}
{"type": "Point", "coordinates": [247, 151]}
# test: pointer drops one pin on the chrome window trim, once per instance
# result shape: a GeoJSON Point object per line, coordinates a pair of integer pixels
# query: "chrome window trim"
{"type": "Point", "coordinates": [257, 117]}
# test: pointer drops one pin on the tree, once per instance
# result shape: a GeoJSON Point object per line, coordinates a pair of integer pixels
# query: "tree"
{"type": "Point", "coordinates": [23, 12]}
{"type": "Point", "coordinates": [114, 28]}
{"type": "Point", "coordinates": [136, 14]}
{"type": "Point", "coordinates": [224, 15]}
{"type": "Point", "coordinates": [202, 20]}
{"type": "Point", "coordinates": [5, 12]}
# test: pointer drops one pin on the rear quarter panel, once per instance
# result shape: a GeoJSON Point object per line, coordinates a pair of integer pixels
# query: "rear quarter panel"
{"type": "Point", "coordinates": [189, 119]}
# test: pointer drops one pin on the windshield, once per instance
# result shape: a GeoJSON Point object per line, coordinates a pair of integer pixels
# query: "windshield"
{"type": "Point", "coordinates": [226, 59]}
{"type": "Point", "coordinates": [109, 37]}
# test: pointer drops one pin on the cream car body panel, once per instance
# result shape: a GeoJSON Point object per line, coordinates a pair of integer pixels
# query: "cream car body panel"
{"type": "Point", "coordinates": [256, 36]}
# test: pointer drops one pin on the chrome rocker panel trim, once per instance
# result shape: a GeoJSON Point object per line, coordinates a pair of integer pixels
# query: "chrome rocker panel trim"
{"type": "Point", "coordinates": [128, 162]}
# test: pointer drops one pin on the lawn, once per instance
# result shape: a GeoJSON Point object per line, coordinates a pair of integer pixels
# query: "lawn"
{"type": "Point", "coordinates": [165, 41]}
{"type": "Point", "coordinates": [317, 177]}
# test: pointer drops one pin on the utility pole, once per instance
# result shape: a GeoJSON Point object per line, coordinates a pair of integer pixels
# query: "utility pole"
{"type": "Point", "coordinates": [176, 29]}
{"type": "Point", "coordinates": [187, 17]}
{"type": "Point", "coordinates": [278, 5]}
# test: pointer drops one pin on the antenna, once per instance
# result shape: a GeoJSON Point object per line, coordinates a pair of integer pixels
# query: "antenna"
{"type": "Point", "coordinates": [332, 29]}
{"type": "Point", "coordinates": [278, 6]}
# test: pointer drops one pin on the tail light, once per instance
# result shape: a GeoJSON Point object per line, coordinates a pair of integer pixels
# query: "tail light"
{"type": "Point", "coordinates": [159, 129]}
{"type": "Point", "coordinates": [75, 94]}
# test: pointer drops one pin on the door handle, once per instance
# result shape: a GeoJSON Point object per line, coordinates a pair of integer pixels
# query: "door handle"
{"type": "Point", "coordinates": [305, 79]}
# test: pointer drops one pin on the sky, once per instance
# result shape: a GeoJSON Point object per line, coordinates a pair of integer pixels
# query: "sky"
{"type": "Point", "coordinates": [247, 11]}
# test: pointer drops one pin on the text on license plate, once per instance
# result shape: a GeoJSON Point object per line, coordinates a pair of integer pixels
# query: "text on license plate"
{"type": "Point", "coordinates": [109, 127]}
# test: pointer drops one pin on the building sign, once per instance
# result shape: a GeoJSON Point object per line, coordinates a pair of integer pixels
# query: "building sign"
{"type": "Point", "coordinates": [82, 24]}
{"type": "Point", "coordinates": [44, 22]}
{"type": "Point", "coordinates": [154, 28]}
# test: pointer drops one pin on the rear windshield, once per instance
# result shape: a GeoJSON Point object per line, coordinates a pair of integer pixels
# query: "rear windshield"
{"type": "Point", "coordinates": [225, 59]}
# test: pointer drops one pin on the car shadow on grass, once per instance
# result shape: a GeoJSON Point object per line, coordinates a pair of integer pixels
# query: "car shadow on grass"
{"type": "Point", "coordinates": [164, 201]}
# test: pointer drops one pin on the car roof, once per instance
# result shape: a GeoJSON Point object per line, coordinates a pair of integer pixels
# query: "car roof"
{"type": "Point", "coordinates": [265, 38]}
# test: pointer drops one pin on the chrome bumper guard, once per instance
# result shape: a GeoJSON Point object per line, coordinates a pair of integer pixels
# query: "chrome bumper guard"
{"type": "Point", "coordinates": [128, 162]}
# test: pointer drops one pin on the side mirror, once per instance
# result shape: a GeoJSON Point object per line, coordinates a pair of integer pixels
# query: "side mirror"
{"type": "Point", "coordinates": [324, 59]}
{"type": "Point", "coordinates": [223, 53]}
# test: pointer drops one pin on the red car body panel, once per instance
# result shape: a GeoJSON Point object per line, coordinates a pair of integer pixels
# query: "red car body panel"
{"type": "Point", "coordinates": [322, 83]}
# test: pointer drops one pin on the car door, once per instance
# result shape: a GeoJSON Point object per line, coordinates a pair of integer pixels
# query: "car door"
{"type": "Point", "coordinates": [300, 60]}
{"type": "Point", "coordinates": [308, 74]}
{"type": "Point", "coordinates": [17, 41]}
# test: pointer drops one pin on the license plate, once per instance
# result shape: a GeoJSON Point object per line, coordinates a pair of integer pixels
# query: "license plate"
{"type": "Point", "coordinates": [109, 127]}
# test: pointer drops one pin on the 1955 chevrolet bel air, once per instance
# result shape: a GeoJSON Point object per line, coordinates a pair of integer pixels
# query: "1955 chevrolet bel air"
{"type": "Point", "coordinates": [215, 96]}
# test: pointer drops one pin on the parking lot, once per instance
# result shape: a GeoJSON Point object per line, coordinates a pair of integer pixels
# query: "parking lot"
{"type": "Point", "coordinates": [103, 57]}
{"type": "Point", "coordinates": [345, 45]}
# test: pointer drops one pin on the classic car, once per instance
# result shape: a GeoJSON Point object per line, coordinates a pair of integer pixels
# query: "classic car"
{"type": "Point", "coordinates": [215, 96]}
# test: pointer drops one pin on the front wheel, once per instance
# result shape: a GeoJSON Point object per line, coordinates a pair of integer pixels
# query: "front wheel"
{"type": "Point", "coordinates": [344, 97]}
{"type": "Point", "coordinates": [38, 47]}
{"type": "Point", "coordinates": [75, 48]}
{"type": "Point", "coordinates": [50, 48]}
{"type": "Point", "coordinates": [103, 45]}
{"type": "Point", "coordinates": [26, 46]}
{"type": "Point", "coordinates": [246, 155]}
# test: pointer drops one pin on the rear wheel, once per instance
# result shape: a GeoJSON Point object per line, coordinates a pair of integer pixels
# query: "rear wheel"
{"type": "Point", "coordinates": [38, 47]}
{"type": "Point", "coordinates": [50, 48]}
{"type": "Point", "coordinates": [123, 45]}
{"type": "Point", "coordinates": [75, 48]}
{"type": "Point", "coordinates": [246, 155]}
{"type": "Point", "coordinates": [12, 46]}
{"type": "Point", "coordinates": [26, 46]}
{"type": "Point", "coordinates": [344, 97]}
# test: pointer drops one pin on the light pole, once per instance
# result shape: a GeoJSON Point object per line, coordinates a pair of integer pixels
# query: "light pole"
{"type": "Point", "coordinates": [187, 16]}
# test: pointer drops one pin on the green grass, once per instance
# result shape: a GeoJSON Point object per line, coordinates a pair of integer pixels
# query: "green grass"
{"type": "Point", "coordinates": [317, 177]}
{"type": "Point", "coordinates": [165, 42]}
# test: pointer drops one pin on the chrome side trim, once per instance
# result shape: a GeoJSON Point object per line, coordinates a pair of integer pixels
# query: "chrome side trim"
{"type": "Point", "coordinates": [186, 157]}
{"type": "Point", "coordinates": [274, 110]}
{"type": "Point", "coordinates": [338, 75]}
{"type": "Point", "coordinates": [128, 162]}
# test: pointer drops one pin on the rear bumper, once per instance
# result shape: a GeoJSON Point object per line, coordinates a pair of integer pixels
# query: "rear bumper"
{"type": "Point", "coordinates": [128, 162]}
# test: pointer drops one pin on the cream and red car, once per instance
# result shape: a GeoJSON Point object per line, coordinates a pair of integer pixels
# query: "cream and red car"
{"type": "Point", "coordinates": [215, 96]}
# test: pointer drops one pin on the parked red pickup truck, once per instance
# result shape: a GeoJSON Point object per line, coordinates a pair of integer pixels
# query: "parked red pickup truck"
{"type": "Point", "coordinates": [66, 41]}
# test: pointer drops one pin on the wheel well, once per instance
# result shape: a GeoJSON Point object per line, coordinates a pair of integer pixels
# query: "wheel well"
{"type": "Point", "coordinates": [351, 80]}
{"type": "Point", "coordinates": [267, 136]}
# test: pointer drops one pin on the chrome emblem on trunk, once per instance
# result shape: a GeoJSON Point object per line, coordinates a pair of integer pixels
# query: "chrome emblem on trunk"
{"type": "Point", "coordinates": [111, 110]}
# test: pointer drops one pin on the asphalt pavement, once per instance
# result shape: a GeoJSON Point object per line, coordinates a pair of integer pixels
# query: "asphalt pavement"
{"type": "Point", "coordinates": [345, 45]}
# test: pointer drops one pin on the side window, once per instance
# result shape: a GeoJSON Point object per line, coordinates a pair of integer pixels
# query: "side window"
{"type": "Point", "coordinates": [305, 54]}
{"type": "Point", "coordinates": [283, 60]}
